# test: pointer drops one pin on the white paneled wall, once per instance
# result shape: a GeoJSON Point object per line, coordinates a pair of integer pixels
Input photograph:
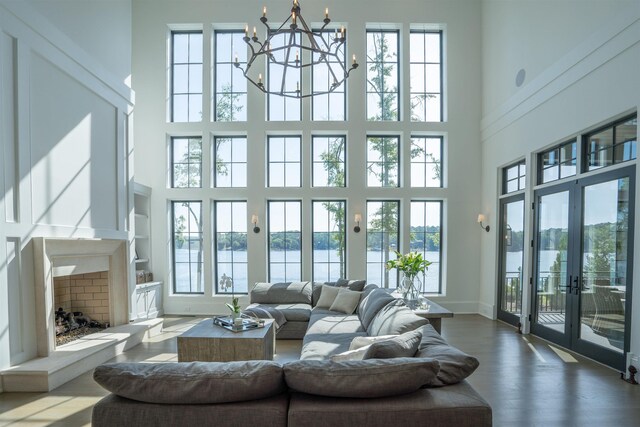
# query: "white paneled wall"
{"type": "Point", "coordinates": [63, 157]}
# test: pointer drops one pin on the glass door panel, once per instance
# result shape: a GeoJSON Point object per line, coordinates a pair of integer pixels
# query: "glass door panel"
{"type": "Point", "coordinates": [550, 302]}
{"type": "Point", "coordinates": [511, 259]}
{"type": "Point", "coordinates": [605, 244]}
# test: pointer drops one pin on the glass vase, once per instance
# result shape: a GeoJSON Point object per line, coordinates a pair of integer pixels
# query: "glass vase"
{"type": "Point", "coordinates": [411, 289]}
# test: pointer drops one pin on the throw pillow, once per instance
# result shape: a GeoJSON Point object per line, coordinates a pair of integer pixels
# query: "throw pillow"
{"type": "Point", "coordinates": [193, 382]}
{"type": "Point", "coordinates": [346, 301]}
{"type": "Point", "coordinates": [360, 378]}
{"type": "Point", "coordinates": [455, 365]}
{"type": "Point", "coordinates": [357, 354]}
{"type": "Point", "coordinates": [371, 304]}
{"type": "Point", "coordinates": [395, 318]}
{"type": "Point", "coordinates": [327, 296]}
{"type": "Point", "coordinates": [405, 345]}
{"type": "Point", "coordinates": [352, 285]}
{"type": "Point", "coordinates": [359, 342]}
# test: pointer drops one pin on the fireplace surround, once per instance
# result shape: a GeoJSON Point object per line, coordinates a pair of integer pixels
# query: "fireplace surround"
{"type": "Point", "coordinates": [54, 257]}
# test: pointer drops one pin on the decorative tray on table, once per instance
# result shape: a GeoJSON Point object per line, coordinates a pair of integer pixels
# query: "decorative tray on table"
{"type": "Point", "coordinates": [248, 322]}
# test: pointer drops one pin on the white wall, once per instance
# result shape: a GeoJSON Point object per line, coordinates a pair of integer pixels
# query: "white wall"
{"type": "Point", "coordinates": [581, 86]}
{"type": "Point", "coordinates": [151, 23]}
{"type": "Point", "coordinates": [63, 158]}
{"type": "Point", "coordinates": [102, 28]}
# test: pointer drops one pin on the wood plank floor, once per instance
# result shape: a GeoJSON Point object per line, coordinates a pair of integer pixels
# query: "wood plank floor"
{"type": "Point", "coordinates": [527, 381]}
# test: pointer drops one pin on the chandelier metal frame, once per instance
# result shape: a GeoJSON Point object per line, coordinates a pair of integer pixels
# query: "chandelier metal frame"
{"type": "Point", "coordinates": [320, 51]}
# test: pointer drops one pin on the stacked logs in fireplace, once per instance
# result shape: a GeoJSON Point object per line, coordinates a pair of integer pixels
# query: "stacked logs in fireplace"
{"type": "Point", "coordinates": [69, 321]}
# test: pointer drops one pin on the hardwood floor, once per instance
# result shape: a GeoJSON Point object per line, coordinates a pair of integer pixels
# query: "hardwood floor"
{"type": "Point", "coordinates": [527, 381]}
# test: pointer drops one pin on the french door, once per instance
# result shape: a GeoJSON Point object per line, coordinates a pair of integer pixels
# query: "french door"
{"type": "Point", "coordinates": [511, 259]}
{"type": "Point", "coordinates": [583, 252]}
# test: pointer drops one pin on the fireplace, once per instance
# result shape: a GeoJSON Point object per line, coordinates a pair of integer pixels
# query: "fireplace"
{"type": "Point", "coordinates": [81, 275]}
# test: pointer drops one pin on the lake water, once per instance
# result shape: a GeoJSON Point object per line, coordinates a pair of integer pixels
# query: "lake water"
{"type": "Point", "coordinates": [326, 265]}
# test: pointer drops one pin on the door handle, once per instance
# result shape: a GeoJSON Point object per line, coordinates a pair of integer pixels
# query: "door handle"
{"type": "Point", "coordinates": [578, 284]}
{"type": "Point", "coordinates": [568, 286]}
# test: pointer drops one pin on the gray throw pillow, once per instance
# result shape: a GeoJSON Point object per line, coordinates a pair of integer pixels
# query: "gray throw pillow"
{"type": "Point", "coordinates": [455, 365]}
{"type": "Point", "coordinates": [327, 296]}
{"type": "Point", "coordinates": [360, 378]}
{"type": "Point", "coordinates": [352, 285]}
{"type": "Point", "coordinates": [281, 293]}
{"type": "Point", "coordinates": [193, 382]}
{"type": "Point", "coordinates": [371, 304]}
{"type": "Point", "coordinates": [395, 319]}
{"type": "Point", "coordinates": [405, 345]}
{"type": "Point", "coordinates": [346, 301]}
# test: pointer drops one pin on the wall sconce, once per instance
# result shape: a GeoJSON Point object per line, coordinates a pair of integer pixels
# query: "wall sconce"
{"type": "Point", "coordinates": [254, 221]}
{"type": "Point", "coordinates": [357, 218]}
{"type": "Point", "coordinates": [481, 219]}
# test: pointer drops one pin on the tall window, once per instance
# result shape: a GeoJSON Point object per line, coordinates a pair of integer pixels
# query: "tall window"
{"type": "Point", "coordinates": [231, 247]}
{"type": "Point", "coordinates": [383, 63]}
{"type": "Point", "coordinates": [187, 247]}
{"type": "Point", "coordinates": [186, 76]}
{"type": "Point", "coordinates": [285, 167]}
{"type": "Point", "coordinates": [329, 240]}
{"type": "Point", "coordinates": [383, 161]}
{"type": "Point", "coordinates": [382, 239]}
{"type": "Point", "coordinates": [426, 76]}
{"type": "Point", "coordinates": [426, 233]}
{"type": "Point", "coordinates": [186, 162]}
{"type": "Point", "coordinates": [285, 240]}
{"type": "Point", "coordinates": [284, 107]}
{"type": "Point", "coordinates": [230, 84]}
{"type": "Point", "coordinates": [329, 160]}
{"type": "Point", "coordinates": [615, 144]}
{"type": "Point", "coordinates": [514, 177]}
{"type": "Point", "coordinates": [230, 154]}
{"type": "Point", "coordinates": [426, 161]}
{"type": "Point", "coordinates": [557, 163]}
{"type": "Point", "coordinates": [329, 106]}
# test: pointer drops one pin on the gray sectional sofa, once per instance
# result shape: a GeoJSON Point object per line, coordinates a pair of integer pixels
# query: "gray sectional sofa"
{"type": "Point", "coordinates": [423, 385]}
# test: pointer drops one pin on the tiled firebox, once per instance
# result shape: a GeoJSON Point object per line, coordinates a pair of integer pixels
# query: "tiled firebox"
{"type": "Point", "coordinates": [88, 293]}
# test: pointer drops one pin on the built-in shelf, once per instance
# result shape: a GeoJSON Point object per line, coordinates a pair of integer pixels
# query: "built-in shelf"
{"type": "Point", "coordinates": [140, 236]}
{"type": "Point", "coordinates": [149, 294]}
{"type": "Point", "coordinates": [138, 215]}
{"type": "Point", "coordinates": [142, 260]}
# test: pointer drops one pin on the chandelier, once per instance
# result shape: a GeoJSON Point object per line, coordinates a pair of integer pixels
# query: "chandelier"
{"type": "Point", "coordinates": [292, 47]}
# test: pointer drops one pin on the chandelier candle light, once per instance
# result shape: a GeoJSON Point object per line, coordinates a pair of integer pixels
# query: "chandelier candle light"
{"type": "Point", "coordinates": [286, 45]}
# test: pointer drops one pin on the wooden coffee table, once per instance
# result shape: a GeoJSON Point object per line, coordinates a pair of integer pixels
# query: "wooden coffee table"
{"type": "Point", "coordinates": [206, 342]}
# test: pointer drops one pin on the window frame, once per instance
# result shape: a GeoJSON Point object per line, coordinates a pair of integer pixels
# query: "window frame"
{"type": "Point", "coordinates": [268, 208]}
{"type": "Point", "coordinates": [399, 183]}
{"type": "Point", "coordinates": [343, 85]}
{"type": "Point", "coordinates": [584, 167]}
{"type": "Point", "coordinates": [344, 233]}
{"type": "Point", "coordinates": [441, 163]}
{"type": "Point", "coordinates": [173, 248]}
{"type": "Point", "coordinates": [440, 68]}
{"type": "Point", "coordinates": [398, 63]}
{"type": "Point", "coordinates": [398, 203]}
{"type": "Point", "coordinates": [284, 162]}
{"type": "Point", "coordinates": [441, 225]}
{"type": "Point", "coordinates": [344, 162]}
{"type": "Point", "coordinates": [214, 158]}
{"type": "Point", "coordinates": [505, 176]}
{"type": "Point", "coordinates": [541, 169]}
{"type": "Point", "coordinates": [172, 162]}
{"type": "Point", "coordinates": [214, 59]}
{"type": "Point", "coordinates": [172, 65]}
{"type": "Point", "coordinates": [215, 246]}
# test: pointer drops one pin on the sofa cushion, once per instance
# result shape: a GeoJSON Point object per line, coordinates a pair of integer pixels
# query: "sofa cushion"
{"type": "Point", "coordinates": [394, 319]}
{"type": "Point", "coordinates": [357, 354]}
{"type": "Point", "coordinates": [330, 322]}
{"type": "Point", "coordinates": [360, 378]}
{"type": "Point", "coordinates": [346, 301]}
{"type": "Point", "coordinates": [193, 382]}
{"type": "Point", "coordinates": [405, 345]}
{"type": "Point", "coordinates": [292, 312]}
{"type": "Point", "coordinates": [455, 365]}
{"type": "Point", "coordinates": [371, 304]}
{"type": "Point", "coordinates": [352, 285]}
{"type": "Point", "coordinates": [359, 342]}
{"type": "Point", "coordinates": [323, 346]}
{"type": "Point", "coordinates": [328, 295]}
{"type": "Point", "coordinates": [281, 293]}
